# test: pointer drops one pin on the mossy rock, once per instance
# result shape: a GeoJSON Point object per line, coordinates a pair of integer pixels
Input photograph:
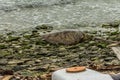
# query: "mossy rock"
{"type": "Point", "coordinates": [4, 53]}
{"type": "Point", "coordinates": [114, 24]}
{"type": "Point", "coordinates": [28, 36]}
{"type": "Point", "coordinates": [40, 42]}
{"type": "Point", "coordinates": [3, 46]}
{"type": "Point", "coordinates": [12, 38]}
{"type": "Point", "coordinates": [44, 27]}
{"type": "Point", "coordinates": [102, 45]}
{"type": "Point", "coordinates": [106, 25]}
{"type": "Point", "coordinates": [115, 33]}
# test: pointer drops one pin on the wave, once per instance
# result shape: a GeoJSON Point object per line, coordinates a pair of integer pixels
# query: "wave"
{"type": "Point", "coordinates": [39, 3]}
{"type": "Point", "coordinates": [10, 5]}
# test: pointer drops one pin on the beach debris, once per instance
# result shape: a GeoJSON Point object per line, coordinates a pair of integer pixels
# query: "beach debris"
{"type": "Point", "coordinates": [76, 69]}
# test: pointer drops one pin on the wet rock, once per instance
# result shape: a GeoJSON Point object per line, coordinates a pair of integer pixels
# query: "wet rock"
{"type": "Point", "coordinates": [115, 62]}
{"type": "Point", "coordinates": [15, 62]}
{"type": "Point", "coordinates": [64, 37]}
{"type": "Point", "coordinates": [3, 46]}
{"type": "Point", "coordinates": [27, 36]}
{"type": "Point", "coordinates": [44, 27]}
{"type": "Point", "coordinates": [3, 61]}
{"type": "Point", "coordinates": [82, 48]}
{"type": "Point", "coordinates": [81, 55]}
{"type": "Point", "coordinates": [40, 42]}
{"type": "Point", "coordinates": [94, 49]}
{"type": "Point", "coordinates": [51, 54]}
{"type": "Point", "coordinates": [55, 60]}
{"type": "Point", "coordinates": [17, 46]}
{"type": "Point", "coordinates": [72, 47]}
{"type": "Point", "coordinates": [4, 53]}
{"type": "Point", "coordinates": [62, 48]}
{"type": "Point", "coordinates": [106, 25]}
{"type": "Point", "coordinates": [91, 42]}
{"type": "Point", "coordinates": [42, 54]}
{"type": "Point", "coordinates": [30, 62]}
{"type": "Point", "coordinates": [37, 61]}
{"type": "Point", "coordinates": [109, 58]}
{"type": "Point", "coordinates": [6, 72]}
{"type": "Point", "coordinates": [61, 54]}
{"type": "Point", "coordinates": [11, 33]}
{"type": "Point", "coordinates": [46, 76]}
{"type": "Point", "coordinates": [101, 45]}
{"type": "Point", "coordinates": [12, 38]}
{"type": "Point", "coordinates": [18, 68]}
{"type": "Point", "coordinates": [115, 24]}
{"type": "Point", "coordinates": [42, 68]}
{"type": "Point", "coordinates": [54, 68]}
{"type": "Point", "coordinates": [46, 61]}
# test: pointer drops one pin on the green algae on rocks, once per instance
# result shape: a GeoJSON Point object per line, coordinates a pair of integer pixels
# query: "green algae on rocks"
{"type": "Point", "coordinates": [38, 52]}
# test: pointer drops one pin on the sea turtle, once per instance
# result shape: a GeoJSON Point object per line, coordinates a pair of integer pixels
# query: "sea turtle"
{"type": "Point", "coordinates": [64, 37]}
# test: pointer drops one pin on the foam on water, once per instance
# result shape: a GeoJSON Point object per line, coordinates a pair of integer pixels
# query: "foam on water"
{"type": "Point", "coordinates": [20, 15]}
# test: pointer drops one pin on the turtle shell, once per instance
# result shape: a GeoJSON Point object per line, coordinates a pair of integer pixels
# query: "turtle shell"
{"type": "Point", "coordinates": [64, 37]}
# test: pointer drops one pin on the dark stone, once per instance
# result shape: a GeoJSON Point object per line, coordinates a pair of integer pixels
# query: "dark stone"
{"type": "Point", "coordinates": [18, 68]}
{"type": "Point", "coordinates": [6, 72]}
{"type": "Point", "coordinates": [44, 27]}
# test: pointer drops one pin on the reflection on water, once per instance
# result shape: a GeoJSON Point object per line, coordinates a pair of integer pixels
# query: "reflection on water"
{"type": "Point", "coordinates": [20, 14]}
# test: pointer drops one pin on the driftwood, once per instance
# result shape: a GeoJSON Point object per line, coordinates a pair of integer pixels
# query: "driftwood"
{"type": "Point", "coordinates": [116, 51]}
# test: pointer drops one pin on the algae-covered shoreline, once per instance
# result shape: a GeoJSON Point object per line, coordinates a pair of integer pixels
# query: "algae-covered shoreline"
{"type": "Point", "coordinates": [22, 22]}
{"type": "Point", "coordinates": [28, 54]}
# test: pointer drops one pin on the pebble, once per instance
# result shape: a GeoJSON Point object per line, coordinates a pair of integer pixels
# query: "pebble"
{"type": "Point", "coordinates": [38, 61]}
{"type": "Point", "coordinates": [3, 61]}
{"type": "Point", "coordinates": [15, 62]}
{"type": "Point", "coordinates": [42, 68]}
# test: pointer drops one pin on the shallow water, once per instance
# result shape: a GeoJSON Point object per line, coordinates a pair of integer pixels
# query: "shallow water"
{"type": "Point", "coordinates": [19, 15]}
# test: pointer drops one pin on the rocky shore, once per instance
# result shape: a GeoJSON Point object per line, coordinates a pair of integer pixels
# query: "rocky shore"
{"type": "Point", "coordinates": [29, 55]}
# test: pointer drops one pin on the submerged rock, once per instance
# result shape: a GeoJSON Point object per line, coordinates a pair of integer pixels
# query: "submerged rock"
{"type": "Point", "coordinates": [44, 27]}
{"type": "Point", "coordinates": [64, 37]}
{"type": "Point", "coordinates": [12, 38]}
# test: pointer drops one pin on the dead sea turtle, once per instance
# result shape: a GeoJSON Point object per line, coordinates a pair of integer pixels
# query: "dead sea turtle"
{"type": "Point", "coordinates": [64, 37]}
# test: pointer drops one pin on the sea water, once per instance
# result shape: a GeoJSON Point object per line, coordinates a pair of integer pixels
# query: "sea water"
{"type": "Point", "coordinates": [20, 15]}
